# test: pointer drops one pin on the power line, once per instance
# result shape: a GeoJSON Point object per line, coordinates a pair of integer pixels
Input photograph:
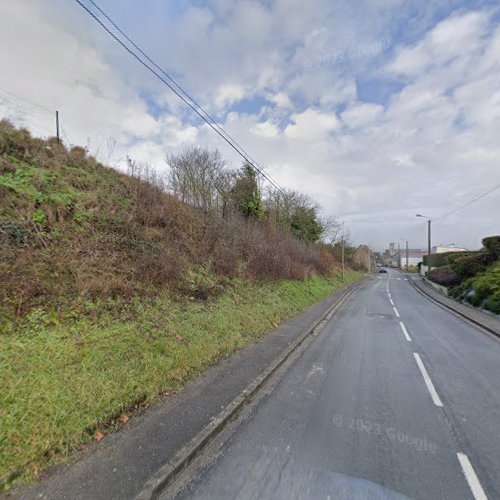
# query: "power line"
{"type": "Point", "coordinates": [175, 84]}
{"type": "Point", "coordinates": [16, 113]}
{"type": "Point", "coordinates": [26, 101]}
{"type": "Point", "coordinates": [176, 89]}
{"type": "Point", "coordinates": [469, 202]}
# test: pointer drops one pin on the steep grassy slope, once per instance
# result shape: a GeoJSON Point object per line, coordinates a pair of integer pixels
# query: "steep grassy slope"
{"type": "Point", "coordinates": [64, 378]}
{"type": "Point", "coordinates": [72, 229]}
{"type": "Point", "coordinates": [114, 293]}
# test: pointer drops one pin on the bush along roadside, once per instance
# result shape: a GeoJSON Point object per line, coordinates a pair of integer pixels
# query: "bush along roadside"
{"type": "Point", "coordinates": [483, 290]}
{"type": "Point", "coordinates": [473, 278]}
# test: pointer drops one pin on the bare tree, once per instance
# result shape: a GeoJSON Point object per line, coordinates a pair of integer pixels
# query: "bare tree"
{"type": "Point", "coordinates": [333, 228]}
{"type": "Point", "coordinates": [197, 176]}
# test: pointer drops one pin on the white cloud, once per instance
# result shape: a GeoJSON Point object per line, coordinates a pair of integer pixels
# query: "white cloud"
{"type": "Point", "coordinates": [429, 144]}
{"type": "Point", "coordinates": [280, 99]}
{"type": "Point", "coordinates": [265, 129]}
{"type": "Point", "coordinates": [228, 95]}
{"type": "Point", "coordinates": [311, 125]}
{"type": "Point", "coordinates": [361, 114]}
{"type": "Point", "coordinates": [460, 35]}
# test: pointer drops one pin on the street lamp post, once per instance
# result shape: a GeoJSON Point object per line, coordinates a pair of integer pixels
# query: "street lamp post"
{"type": "Point", "coordinates": [428, 240]}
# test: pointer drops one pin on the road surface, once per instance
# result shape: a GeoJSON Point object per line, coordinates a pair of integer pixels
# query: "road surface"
{"type": "Point", "coordinates": [395, 398]}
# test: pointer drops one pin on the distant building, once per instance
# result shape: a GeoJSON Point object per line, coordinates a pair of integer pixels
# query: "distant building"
{"type": "Point", "coordinates": [415, 257]}
{"type": "Point", "coordinates": [364, 258]}
{"type": "Point", "coordinates": [447, 248]}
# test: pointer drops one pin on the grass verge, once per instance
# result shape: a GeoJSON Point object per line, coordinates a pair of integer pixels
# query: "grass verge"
{"type": "Point", "coordinates": [65, 377]}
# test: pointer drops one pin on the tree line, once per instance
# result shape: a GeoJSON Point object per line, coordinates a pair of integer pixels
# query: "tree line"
{"type": "Point", "coordinates": [201, 177]}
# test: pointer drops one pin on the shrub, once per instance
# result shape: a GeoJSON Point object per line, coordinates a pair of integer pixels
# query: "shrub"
{"type": "Point", "coordinates": [437, 260]}
{"type": "Point", "coordinates": [493, 303]}
{"type": "Point", "coordinates": [480, 289]}
{"type": "Point", "coordinates": [492, 244]}
{"type": "Point", "coordinates": [444, 276]}
{"type": "Point", "coordinates": [469, 266]}
{"type": "Point", "coordinates": [14, 233]}
{"type": "Point", "coordinates": [445, 258]}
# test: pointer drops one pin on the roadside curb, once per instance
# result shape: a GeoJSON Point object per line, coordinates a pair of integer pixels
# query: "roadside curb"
{"type": "Point", "coordinates": [188, 453]}
{"type": "Point", "coordinates": [455, 311]}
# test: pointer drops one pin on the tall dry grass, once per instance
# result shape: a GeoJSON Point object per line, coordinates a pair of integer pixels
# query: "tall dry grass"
{"type": "Point", "coordinates": [72, 228]}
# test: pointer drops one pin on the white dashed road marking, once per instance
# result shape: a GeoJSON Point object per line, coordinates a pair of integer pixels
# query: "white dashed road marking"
{"type": "Point", "coordinates": [396, 312]}
{"type": "Point", "coordinates": [470, 475]}
{"type": "Point", "coordinates": [428, 382]}
{"type": "Point", "coordinates": [405, 331]}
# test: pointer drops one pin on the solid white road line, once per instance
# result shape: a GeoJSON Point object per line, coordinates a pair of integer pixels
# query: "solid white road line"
{"type": "Point", "coordinates": [428, 382]}
{"type": "Point", "coordinates": [405, 331]}
{"type": "Point", "coordinates": [470, 475]}
{"type": "Point", "coordinates": [396, 311]}
{"type": "Point", "coordinates": [392, 303]}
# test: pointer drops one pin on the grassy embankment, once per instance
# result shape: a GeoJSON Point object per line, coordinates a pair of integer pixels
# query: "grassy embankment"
{"type": "Point", "coordinates": [64, 379]}
{"type": "Point", "coordinates": [114, 294]}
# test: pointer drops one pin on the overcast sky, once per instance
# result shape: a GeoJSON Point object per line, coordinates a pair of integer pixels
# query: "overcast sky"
{"type": "Point", "coordinates": [377, 109]}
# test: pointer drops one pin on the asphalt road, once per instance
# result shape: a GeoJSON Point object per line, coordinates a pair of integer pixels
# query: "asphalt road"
{"type": "Point", "coordinates": [395, 398]}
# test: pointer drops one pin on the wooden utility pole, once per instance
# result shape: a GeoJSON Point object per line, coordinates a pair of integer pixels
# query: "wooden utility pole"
{"type": "Point", "coordinates": [407, 252]}
{"type": "Point", "coordinates": [343, 252]}
{"type": "Point", "coordinates": [57, 126]}
{"type": "Point", "coordinates": [429, 245]}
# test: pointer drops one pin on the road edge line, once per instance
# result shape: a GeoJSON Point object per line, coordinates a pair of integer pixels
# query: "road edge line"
{"type": "Point", "coordinates": [189, 452]}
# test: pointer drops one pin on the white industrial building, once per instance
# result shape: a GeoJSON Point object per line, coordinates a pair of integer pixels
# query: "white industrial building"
{"type": "Point", "coordinates": [447, 248]}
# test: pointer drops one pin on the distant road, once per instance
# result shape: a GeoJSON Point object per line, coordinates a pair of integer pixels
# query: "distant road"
{"type": "Point", "coordinates": [395, 398]}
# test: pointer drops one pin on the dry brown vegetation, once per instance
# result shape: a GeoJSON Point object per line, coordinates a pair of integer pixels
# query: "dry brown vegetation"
{"type": "Point", "coordinates": [71, 228]}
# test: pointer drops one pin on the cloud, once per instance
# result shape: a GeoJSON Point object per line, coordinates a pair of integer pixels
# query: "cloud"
{"type": "Point", "coordinates": [459, 36]}
{"type": "Point", "coordinates": [227, 95]}
{"type": "Point", "coordinates": [265, 129]}
{"type": "Point", "coordinates": [280, 99]}
{"type": "Point", "coordinates": [361, 114]}
{"type": "Point", "coordinates": [374, 135]}
{"type": "Point", "coordinates": [311, 125]}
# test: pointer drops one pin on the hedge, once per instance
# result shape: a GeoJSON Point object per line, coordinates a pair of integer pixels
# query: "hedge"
{"type": "Point", "coordinates": [469, 266]}
{"type": "Point", "coordinates": [444, 276]}
{"type": "Point", "coordinates": [493, 303]}
{"type": "Point", "coordinates": [443, 259]}
{"type": "Point", "coordinates": [492, 244]}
